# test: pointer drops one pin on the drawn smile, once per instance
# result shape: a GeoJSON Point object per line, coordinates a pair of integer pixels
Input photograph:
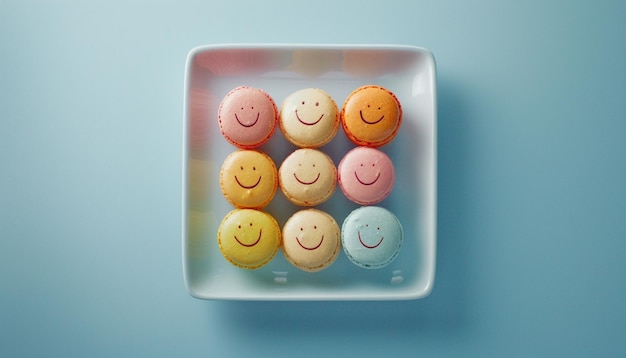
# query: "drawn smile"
{"type": "Point", "coordinates": [247, 125]}
{"type": "Point", "coordinates": [252, 244]}
{"type": "Point", "coordinates": [307, 182]}
{"type": "Point", "coordinates": [310, 248]}
{"type": "Point", "coordinates": [368, 122]}
{"type": "Point", "coordinates": [366, 183]}
{"type": "Point", "coordinates": [307, 123]}
{"type": "Point", "coordinates": [368, 246]}
{"type": "Point", "coordinates": [248, 186]}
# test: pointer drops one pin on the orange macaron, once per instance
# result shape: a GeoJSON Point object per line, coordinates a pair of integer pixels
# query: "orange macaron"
{"type": "Point", "coordinates": [371, 116]}
{"type": "Point", "coordinates": [248, 179]}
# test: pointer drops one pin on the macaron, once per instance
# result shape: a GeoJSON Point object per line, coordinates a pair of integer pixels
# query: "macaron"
{"type": "Point", "coordinates": [309, 118]}
{"type": "Point", "coordinates": [366, 175]}
{"type": "Point", "coordinates": [248, 179]}
{"type": "Point", "coordinates": [311, 240]}
{"type": "Point", "coordinates": [248, 238]}
{"type": "Point", "coordinates": [247, 117]}
{"type": "Point", "coordinates": [371, 116]}
{"type": "Point", "coordinates": [371, 237]}
{"type": "Point", "coordinates": [307, 177]}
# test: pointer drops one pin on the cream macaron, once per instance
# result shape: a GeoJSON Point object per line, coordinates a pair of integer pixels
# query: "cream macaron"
{"type": "Point", "coordinates": [309, 118]}
{"type": "Point", "coordinates": [311, 240]}
{"type": "Point", "coordinates": [307, 177]}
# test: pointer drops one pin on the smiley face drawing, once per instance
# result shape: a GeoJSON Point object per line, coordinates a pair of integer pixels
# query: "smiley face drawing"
{"type": "Point", "coordinates": [371, 237]}
{"type": "Point", "coordinates": [311, 240]}
{"type": "Point", "coordinates": [248, 238]}
{"type": "Point", "coordinates": [366, 175]}
{"type": "Point", "coordinates": [371, 116]}
{"type": "Point", "coordinates": [247, 117]}
{"type": "Point", "coordinates": [307, 177]}
{"type": "Point", "coordinates": [309, 118]}
{"type": "Point", "coordinates": [248, 179]}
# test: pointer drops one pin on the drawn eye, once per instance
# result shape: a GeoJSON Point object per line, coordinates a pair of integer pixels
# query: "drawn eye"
{"type": "Point", "coordinates": [301, 229]}
{"type": "Point", "coordinates": [317, 104]}
{"type": "Point", "coordinates": [241, 167]}
{"type": "Point", "coordinates": [253, 168]}
{"type": "Point", "coordinates": [242, 108]}
{"type": "Point", "coordinates": [302, 102]}
{"type": "Point", "coordinates": [239, 226]}
{"type": "Point", "coordinates": [315, 227]}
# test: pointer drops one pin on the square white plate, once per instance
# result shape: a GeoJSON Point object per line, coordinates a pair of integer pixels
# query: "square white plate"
{"type": "Point", "coordinates": [280, 70]}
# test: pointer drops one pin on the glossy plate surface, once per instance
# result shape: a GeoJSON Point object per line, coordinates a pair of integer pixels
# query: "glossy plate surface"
{"type": "Point", "coordinates": [280, 70]}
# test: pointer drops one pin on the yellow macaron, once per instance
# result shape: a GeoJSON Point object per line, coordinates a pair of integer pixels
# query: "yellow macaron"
{"type": "Point", "coordinates": [249, 238]}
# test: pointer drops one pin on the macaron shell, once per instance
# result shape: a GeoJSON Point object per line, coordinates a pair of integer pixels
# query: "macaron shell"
{"type": "Point", "coordinates": [311, 240]}
{"type": "Point", "coordinates": [371, 116]}
{"type": "Point", "coordinates": [249, 238]}
{"type": "Point", "coordinates": [247, 117]}
{"type": "Point", "coordinates": [309, 118]}
{"type": "Point", "coordinates": [371, 237]}
{"type": "Point", "coordinates": [248, 179]}
{"type": "Point", "coordinates": [307, 177]}
{"type": "Point", "coordinates": [366, 175]}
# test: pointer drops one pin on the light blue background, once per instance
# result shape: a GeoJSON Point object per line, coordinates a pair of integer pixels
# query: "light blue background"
{"type": "Point", "coordinates": [532, 197]}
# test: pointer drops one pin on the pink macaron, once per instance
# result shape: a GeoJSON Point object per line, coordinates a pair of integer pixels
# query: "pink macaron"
{"type": "Point", "coordinates": [247, 117]}
{"type": "Point", "coordinates": [366, 175]}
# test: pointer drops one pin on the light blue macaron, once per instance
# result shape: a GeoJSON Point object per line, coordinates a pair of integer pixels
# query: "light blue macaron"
{"type": "Point", "coordinates": [371, 236]}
